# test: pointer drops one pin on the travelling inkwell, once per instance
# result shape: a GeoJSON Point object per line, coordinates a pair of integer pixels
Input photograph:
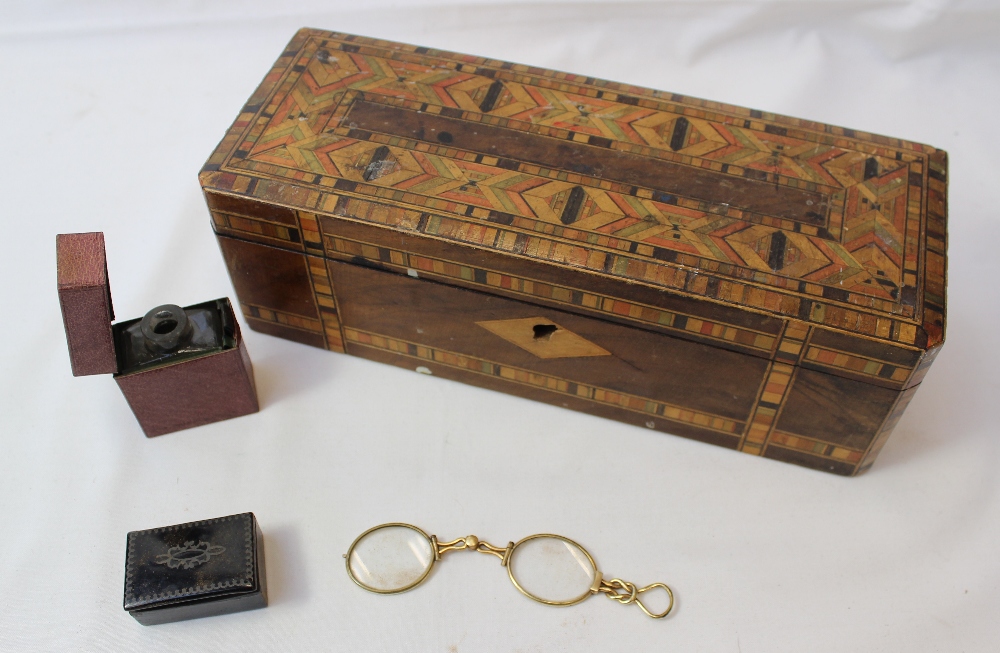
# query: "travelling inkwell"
{"type": "Point", "coordinates": [177, 367]}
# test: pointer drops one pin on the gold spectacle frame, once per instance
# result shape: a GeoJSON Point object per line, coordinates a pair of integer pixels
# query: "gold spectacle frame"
{"type": "Point", "coordinates": [551, 569]}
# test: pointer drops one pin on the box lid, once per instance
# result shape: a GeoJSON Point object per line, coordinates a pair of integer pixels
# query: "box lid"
{"type": "Point", "coordinates": [816, 225]}
{"type": "Point", "coordinates": [85, 300]}
{"type": "Point", "coordinates": [202, 560]}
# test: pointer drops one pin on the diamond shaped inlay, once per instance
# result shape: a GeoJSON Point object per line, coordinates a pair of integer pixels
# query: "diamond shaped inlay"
{"type": "Point", "coordinates": [543, 338]}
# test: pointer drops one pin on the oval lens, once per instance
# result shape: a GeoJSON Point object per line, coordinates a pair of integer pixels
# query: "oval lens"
{"type": "Point", "coordinates": [390, 558]}
{"type": "Point", "coordinates": [551, 569]}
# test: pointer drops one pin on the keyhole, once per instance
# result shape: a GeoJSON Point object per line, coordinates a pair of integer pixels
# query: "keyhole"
{"type": "Point", "coordinates": [544, 331]}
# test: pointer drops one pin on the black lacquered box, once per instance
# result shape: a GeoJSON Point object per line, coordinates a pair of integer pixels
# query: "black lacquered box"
{"type": "Point", "coordinates": [193, 570]}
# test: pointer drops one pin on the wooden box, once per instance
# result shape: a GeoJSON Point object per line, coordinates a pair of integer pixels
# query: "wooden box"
{"type": "Point", "coordinates": [760, 282]}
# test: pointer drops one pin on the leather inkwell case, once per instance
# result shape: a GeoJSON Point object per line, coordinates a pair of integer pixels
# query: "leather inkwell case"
{"type": "Point", "coordinates": [199, 569]}
{"type": "Point", "coordinates": [177, 367]}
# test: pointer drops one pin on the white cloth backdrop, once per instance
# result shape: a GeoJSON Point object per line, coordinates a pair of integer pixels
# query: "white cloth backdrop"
{"type": "Point", "coordinates": [109, 109]}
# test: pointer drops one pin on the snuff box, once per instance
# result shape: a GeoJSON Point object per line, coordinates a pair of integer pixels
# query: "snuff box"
{"type": "Point", "coordinates": [177, 367]}
{"type": "Point", "coordinates": [760, 282]}
{"type": "Point", "coordinates": [199, 569]}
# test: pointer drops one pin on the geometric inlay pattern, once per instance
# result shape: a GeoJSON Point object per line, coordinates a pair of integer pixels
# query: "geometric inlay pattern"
{"type": "Point", "coordinates": [845, 224]}
{"type": "Point", "coordinates": [597, 395]}
{"type": "Point", "coordinates": [818, 250]}
{"type": "Point", "coordinates": [543, 338]}
{"type": "Point", "coordinates": [530, 378]}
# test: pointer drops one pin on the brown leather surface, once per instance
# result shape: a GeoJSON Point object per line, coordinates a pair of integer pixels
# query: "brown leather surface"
{"type": "Point", "coordinates": [193, 392]}
{"type": "Point", "coordinates": [85, 300]}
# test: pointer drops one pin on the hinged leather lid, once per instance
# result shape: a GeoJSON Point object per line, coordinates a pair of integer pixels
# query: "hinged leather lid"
{"type": "Point", "coordinates": [85, 299]}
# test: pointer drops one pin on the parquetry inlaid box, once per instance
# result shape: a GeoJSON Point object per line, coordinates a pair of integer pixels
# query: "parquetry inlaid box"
{"type": "Point", "coordinates": [756, 281]}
